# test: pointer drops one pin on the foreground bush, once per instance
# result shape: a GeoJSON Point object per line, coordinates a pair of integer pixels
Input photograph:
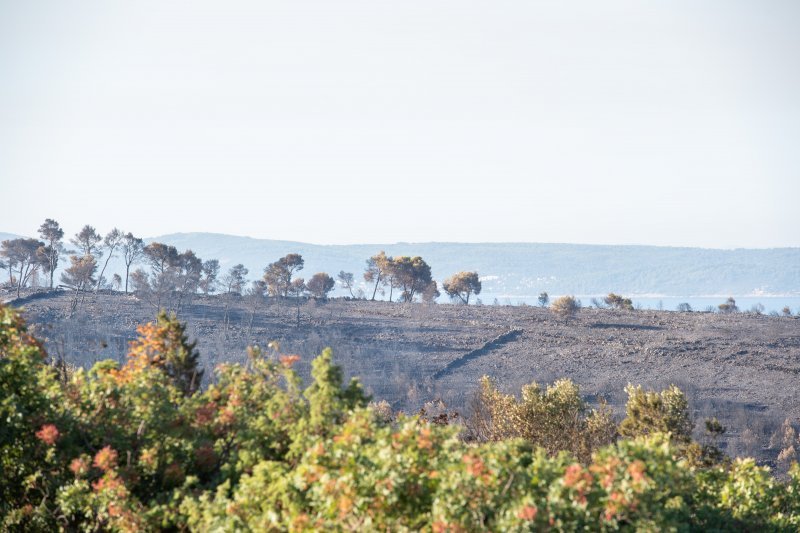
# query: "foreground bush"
{"type": "Point", "coordinates": [556, 418]}
{"type": "Point", "coordinates": [137, 447]}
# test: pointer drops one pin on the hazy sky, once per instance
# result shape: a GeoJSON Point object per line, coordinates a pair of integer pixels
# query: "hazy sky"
{"type": "Point", "coordinates": [670, 123]}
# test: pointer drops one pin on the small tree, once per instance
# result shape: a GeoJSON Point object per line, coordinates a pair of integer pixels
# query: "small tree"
{"type": "Point", "coordinates": [431, 293]}
{"type": "Point", "coordinates": [297, 288]}
{"type": "Point", "coordinates": [786, 311]}
{"type": "Point", "coordinates": [210, 272]}
{"type": "Point", "coordinates": [728, 307]}
{"type": "Point", "coordinates": [347, 281]}
{"type": "Point", "coordinates": [52, 235]}
{"type": "Point", "coordinates": [163, 260]}
{"type": "Point", "coordinates": [544, 299]}
{"type": "Point", "coordinates": [254, 295]}
{"type": "Point", "coordinates": [378, 271]}
{"type": "Point", "coordinates": [235, 279]}
{"type": "Point", "coordinates": [565, 307]}
{"type": "Point", "coordinates": [278, 275]}
{"type": "Point", "coordinates": [190, 272]}
{"type": "Point", "coordinates": [657, 412]}
{"type": "Point", "coordinates": [140, 281]}
{"type": "Point", "coordinates": [462, 285]}
{"type": "Point", "coordinates": [88, 241]}
{"type": "Point", "coordinates": [27, 255]}
{"type": "Point", "coordinates": [166, 346]}
{"type": "Point", "coordinates": [615, 301]}
{"type": "Point", "coordinates": [320, 285]}
{"type": "Point", "coordinates": [79, 276]}
{"type": "Point", "coordinates": [132, 250]}
{"type": "Point", "coordinates": [412, 275]}
{"type": "Point", "coordinates": [112, 240]}
{"type": "Point", "coordinates": [684, 308]}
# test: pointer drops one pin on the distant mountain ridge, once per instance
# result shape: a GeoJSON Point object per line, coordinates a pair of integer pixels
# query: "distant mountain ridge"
{"type": "Point", "coordinates": [522, 270]}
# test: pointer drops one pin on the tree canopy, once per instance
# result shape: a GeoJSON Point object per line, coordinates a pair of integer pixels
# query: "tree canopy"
{"type": "Point", "coordinates": [278, 275]}
{"type": "Point", "coordinates": [462, 285]}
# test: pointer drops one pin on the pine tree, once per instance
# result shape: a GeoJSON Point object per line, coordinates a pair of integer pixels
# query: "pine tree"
{"type": "Point", "coordinates": [181, 357]}
{"type": "Point", "coordinates": [166, 346]}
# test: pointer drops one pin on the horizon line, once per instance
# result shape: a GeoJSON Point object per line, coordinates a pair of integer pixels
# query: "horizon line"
{"type": "Point", "coordinates": [378, 244]}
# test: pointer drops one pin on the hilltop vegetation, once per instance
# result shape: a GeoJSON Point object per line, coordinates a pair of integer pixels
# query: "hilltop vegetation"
{"type": "Point", "coordinates": [168, 277]}
{"type": "Point", "coordinates": [517, 270]}
{"type": "Point", "coordinates": [131, 447]}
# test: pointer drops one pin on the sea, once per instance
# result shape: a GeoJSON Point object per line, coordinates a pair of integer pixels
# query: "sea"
{"type": "Point", "coordinates": [765, 304]}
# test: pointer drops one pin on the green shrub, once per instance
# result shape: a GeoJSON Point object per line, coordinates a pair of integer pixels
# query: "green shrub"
{"type": "Point", "coordinates": [615, 301]}
{"type": "Point", "coordinates": [130, 448]}
{"type": "Point", "coordinates": [555, 418]}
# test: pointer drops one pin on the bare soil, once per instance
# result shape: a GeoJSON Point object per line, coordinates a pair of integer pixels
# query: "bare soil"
{"type": "Point", "coordinates": [742, 368]}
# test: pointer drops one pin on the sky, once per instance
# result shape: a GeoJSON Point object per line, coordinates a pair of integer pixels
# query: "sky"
{"type": "Point", "coordinates": [374, 121]}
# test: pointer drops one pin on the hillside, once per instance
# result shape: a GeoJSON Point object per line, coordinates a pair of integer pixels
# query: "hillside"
{"type": "Point", "coordinates": [741, 368]}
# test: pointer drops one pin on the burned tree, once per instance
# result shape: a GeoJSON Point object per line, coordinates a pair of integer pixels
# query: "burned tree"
{"type": "Point", "coordinates": [412, 275]}
{"type": "Point", "coordinates": [26, 255]}
{"type": "Point", "coordinates": [79, 276]}
{"type": "Point", "coordinates": [132, 250]}
{"type": "Point", "coordinates": [208, 284]}
{"type": "Point", "coordinates": [163, 262]}
{"type": "Point", "coordinates": [235, 279]}
{"type": "Point", "coordinates": [278, 275]}
{"type": "Point", "coordinates": [378, 271]}
{"type": "Point", "coordinates": [320, 285]}
{"type": "Point", "coordinates": [88, 242]}
{"type": "Point", "coordinates": [111, 242]}
{"type": "Point", "coordinates": [52, 235]}
{"type": "Point", "coordinates": [347, 281]}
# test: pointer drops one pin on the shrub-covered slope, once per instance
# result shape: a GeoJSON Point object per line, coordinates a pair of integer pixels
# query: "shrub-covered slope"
{"type": "Point", "coordinates": [136, 446]}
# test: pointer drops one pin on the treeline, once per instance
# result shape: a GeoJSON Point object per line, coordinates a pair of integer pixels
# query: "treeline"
{"type": "Point", "coordinates": [167, 277]}
{"type": "Point", "coordinates": [140, 447]}
{"type": "Point", "coordinates": [162, 273]}
{"type": "Point", "coordinates": [24, 258]}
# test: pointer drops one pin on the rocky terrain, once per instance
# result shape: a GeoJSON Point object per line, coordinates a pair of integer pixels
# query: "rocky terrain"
{"type": "Point", "coordinates": [743, 368]}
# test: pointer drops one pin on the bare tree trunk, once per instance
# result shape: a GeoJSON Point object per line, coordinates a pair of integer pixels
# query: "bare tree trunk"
{"type": "Point", "coordinates": [375, 290]}
{"type": "Point", "coordinates": [100, 277]}
{"type": "Point", "coordinates": [252, 317]}
{"type": "Point", "coordinates": [74, 303]}
{"type": "Point", "coordinates": [225, 317]}
{"type": "Point", "coordinates": [23, 276]}
{"type": "Point", "coordinates": [127, 271]}
{"type": "Point", "coordinates": [180, 303]}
